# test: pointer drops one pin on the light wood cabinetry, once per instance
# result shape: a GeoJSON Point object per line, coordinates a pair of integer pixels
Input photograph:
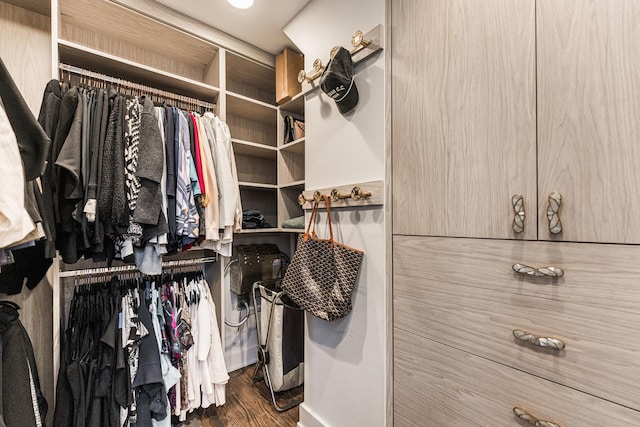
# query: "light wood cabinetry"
{"type": "Point", "coordinates": [588, 91]}
{"type": "Point", "coordinates": [105, 37]}
{"type": "Point", "coordinates": [475, 137]}
{"type": "Point", "coordinates": [464, 106]}
{"type": "Point", "coordinates": [291, 157]}
{"type": "Point", "coordinates": [252, 118]}
{"type": "Point", "coordinates": [490, 100]}
{"type": "Point", "coordinates": [485, 393]}
{"type": "Point", "coordinates": [472, 300]}
{"type": "Point", "coordinates": [42, 7]}
{"type": "Point", "coordinates": [271, 173]}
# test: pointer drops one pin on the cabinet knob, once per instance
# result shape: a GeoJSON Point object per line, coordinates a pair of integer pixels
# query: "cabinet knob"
{"type": "Point", "coordinates": [518, 207]}
{"type": "Point", "coordinates": [544, 342]}
{"type": "Point", "coordinates": [555, 225]}
{"type": "Point", "coordinates": [525, 416]}
{"type": "Point", "coordinates": [538, 272]}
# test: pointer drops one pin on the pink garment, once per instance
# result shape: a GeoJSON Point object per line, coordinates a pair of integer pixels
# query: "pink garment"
{"type": "Point", "coordinates": [198, 159]}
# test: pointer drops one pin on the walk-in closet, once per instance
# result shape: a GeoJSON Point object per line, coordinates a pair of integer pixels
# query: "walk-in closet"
{"type": "Point", "coordinates": [319, 213]}
{"type": "Point", "coordinates": [162, 193]}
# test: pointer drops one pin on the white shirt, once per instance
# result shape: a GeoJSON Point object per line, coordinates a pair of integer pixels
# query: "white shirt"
{"type": "Point", "coordinates": [15, 222]}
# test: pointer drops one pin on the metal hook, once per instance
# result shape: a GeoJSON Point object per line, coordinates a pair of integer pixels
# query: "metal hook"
{"type": "Point", "coordinates": [357, 193]}
{"type": "Point", "coordinates": [302, 76]}
{"type": "Point", "coordinates": [336, 195]}
{"type": "Point", "coordinates": [318, 68]}
{"type": "Point", "coordinates": [302, 199]}
{"type": "Point", "coordinates": [358, 41]}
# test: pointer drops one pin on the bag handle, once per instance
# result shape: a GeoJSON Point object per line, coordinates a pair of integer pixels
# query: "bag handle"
{"type": "Point", "coordinates": [311, 228]}
{"type": "Point", "coordinates": [312, 220]}
{"type": "Point", "coordinates": [327, 203]}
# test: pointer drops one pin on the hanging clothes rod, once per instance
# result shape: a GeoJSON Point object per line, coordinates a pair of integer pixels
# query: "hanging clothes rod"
{"type": "Point", "coordinates": [132, 268]}
{"type": "Point", "coordinates": [132, 86]}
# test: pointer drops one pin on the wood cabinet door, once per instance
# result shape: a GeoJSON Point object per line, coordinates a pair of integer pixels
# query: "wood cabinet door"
{"type": "Point", "coordinates": [463, 117]}
{"type": "Point", "coordinates": [588, 68]}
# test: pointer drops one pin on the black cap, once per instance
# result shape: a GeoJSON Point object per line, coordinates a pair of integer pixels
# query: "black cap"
{"type": "Point", "coordinates": [337, 81]}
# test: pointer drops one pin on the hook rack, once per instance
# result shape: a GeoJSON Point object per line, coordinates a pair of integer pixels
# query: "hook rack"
{"type": "Point", "coordinates": [364, 46]}
{"type": "Point", "coordinates": [346, 195]}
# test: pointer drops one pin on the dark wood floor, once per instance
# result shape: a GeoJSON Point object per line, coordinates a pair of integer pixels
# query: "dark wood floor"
{"type": "Point", "coordinates": [250, 405]}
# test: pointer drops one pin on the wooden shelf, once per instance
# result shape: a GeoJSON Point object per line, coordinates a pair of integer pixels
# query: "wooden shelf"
{"type": "Point", "coordinates": [271, 230]}
{"type": "Point", "coordinates": [288, 206]}
{"type": "Point", "coordinates": [291, 166]}
{"type": "Point", "coordinates": [239, 105]}
{"type": "Point", "coordinates": [39, 6]}
{"type": "Point", "coordinates": [252, 169]}
{"type": "Point", "coordinates": [295, 105]}
{"type": "Point", "coordinates": [296, 146]}
{"type": "Point", "coordinates": [292, 230]}
{"type": "Point", "coordinates": [293, 185]}
{"type": "Point", "coordinates": [253, 149]}
{"type": "Point", "coordinates": [259, 230]}
{"type": "Point", "coordinates": [256, 186]}
{"type": "Point", "coordinates": [251, 120]}
{"type": "Point", "coordinates": [108, 26]}
{"type": "Point", "coordinates": [94, 60]}
{"type": "Point", "coordinates": [249, 78]}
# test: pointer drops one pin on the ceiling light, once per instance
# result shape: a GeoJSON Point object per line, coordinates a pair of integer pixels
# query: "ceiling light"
{"type": "Point", "coordinates": [241, 4]}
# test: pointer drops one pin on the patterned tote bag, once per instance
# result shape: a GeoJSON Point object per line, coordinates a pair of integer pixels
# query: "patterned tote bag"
{"type": "Point", "coordinates": [322, 272]}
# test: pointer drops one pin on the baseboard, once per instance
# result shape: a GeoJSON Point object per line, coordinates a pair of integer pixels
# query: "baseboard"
{"type": "Point", "coordinates": [308, 418]}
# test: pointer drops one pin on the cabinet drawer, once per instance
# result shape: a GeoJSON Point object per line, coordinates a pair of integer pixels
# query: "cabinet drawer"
{"type": "Point", "coordinates": [478, 312]}
{"type": "Point", "coordinates": [485, 392]}
{"type": "Point", "coordinates": [597, 275]}
{"type": "Point", "coordinates": [410, 406]}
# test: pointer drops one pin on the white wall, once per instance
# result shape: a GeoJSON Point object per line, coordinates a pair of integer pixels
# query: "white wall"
{"type": "Point", "coordinates": [345, 366]}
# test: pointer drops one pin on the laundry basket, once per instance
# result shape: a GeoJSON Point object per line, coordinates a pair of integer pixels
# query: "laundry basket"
{"type": "Point", "coordinates": [280, 329]}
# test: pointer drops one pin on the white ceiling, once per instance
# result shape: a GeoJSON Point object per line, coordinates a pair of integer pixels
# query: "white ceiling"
{"type": "Point", "coordinates": [260, 25]}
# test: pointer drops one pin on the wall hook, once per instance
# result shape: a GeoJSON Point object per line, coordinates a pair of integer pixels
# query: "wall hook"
{"type": "Point", "coordinates": [336, 195]}
{"type": "Point", "coordinates": [318, 68]}
{"type": "Point", "coordinates": [358, 41]}
{"type": "Point", "coordinates": [357, 193]}
{"type": "Point", "coordinates": [302, 199]}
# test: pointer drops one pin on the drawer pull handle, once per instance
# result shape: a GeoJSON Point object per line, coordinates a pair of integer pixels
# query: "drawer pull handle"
{"type": "Point", "coordinates": [518, 207]}
{"type": "Point", "coordinates": [538, 272]}
{"type": "Point", "coordinates": [545, 342]}
{"type": "Point", "coordinates": [525, 416]}
{"type": "Point", "coordinates": [555, 225]}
